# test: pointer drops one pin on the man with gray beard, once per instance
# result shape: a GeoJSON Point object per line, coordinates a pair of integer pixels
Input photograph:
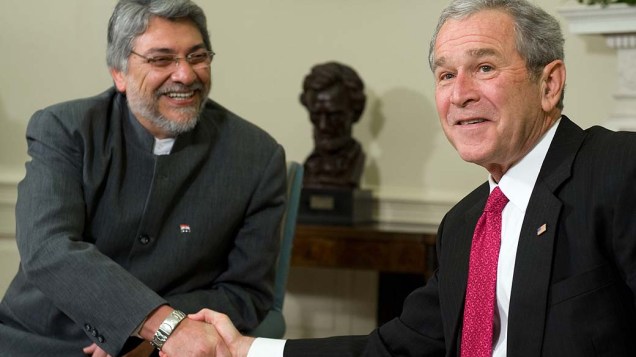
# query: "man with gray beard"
{"type": "Point", "coordinates": [144, 203]}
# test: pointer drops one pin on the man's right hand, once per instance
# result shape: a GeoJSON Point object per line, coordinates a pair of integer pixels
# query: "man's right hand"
{"type": "Point", "coordinates": [238, 344]}
{"type": "Point", "coordinates": [195, 338]}
{"type": "Point", "coordinates": [190, 338]}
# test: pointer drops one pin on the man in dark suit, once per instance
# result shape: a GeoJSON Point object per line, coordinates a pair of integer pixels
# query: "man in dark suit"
{"type": "Point", "coordinates": [144, 201]}
{"type": "Point", "coordinates": [566, 266]}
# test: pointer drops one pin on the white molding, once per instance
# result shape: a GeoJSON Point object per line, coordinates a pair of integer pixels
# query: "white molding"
{"type": "Point", "coordinates": [9, 261]}
{"type": "Point", "coordinates": [8, 196]}
{"type": "Point", "coordinates": [413, 206]}
{"type": "Point", "coordinates": [9, 257]}
{"type": "Point", "coordinates": [596, 19]}
{"type": "Point", "coordinates": [411, 211]}
{"type": "Point", "coordinates": [617, 23]}
{"type": "Point", "coordinates": [388, 207]}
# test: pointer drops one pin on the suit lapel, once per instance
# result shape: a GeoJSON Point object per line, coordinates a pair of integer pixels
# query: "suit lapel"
{"type": "Point", "coordinates": [533, 266]}
{"type": "Point", "coordinates": [531, 280]}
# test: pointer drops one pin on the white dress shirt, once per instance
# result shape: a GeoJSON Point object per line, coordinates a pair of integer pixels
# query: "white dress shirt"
{"type": "Point", "coordinates": [517, 184]}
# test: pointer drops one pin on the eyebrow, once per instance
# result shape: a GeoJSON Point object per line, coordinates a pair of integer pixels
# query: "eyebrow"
{"type": "Point", "coordinates": [475, 53]}
{"type": "Point", "coordinates": [172, 51]}
{"type": "Point", "coordinates": [482, 52]}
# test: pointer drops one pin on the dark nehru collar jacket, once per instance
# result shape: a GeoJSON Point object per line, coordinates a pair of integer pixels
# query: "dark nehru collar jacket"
{"type": "Point", "coordinates": [107, 231]}
{"type": "Point", "coordinates": [573, 286]}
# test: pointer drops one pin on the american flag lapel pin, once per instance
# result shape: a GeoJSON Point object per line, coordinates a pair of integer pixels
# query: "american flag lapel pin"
{"type": "Point", "coordinates": [185, 228]}
{"type": "Point", "coordinates": [542, 229]}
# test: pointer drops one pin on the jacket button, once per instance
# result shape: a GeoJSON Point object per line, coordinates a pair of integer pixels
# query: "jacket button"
{"type": "Point", "coordinates": [144, 239]}
{"type": "Point", "coordinates": [100, 339]}
{"type": "Point", "coordinates": [88, 327]}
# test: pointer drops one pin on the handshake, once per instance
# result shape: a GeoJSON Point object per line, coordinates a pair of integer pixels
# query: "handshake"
{"type": "Point", "coordinates": [224, 340]}
{"type": "Point", "coordinates": [204, 334]}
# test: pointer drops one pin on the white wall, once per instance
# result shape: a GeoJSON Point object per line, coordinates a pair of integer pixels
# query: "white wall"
{"type": "Point", "coordinates": [54, 51]}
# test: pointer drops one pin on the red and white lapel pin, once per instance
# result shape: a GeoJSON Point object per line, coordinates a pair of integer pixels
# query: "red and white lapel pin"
{"type": "Point", "coordinates": [184, 228]}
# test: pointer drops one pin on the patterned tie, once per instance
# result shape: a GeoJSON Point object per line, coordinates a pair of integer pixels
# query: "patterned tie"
{"type": "Point", "coordinates": [477, 334]}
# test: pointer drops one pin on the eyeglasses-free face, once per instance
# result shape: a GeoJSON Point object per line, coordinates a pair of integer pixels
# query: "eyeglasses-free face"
{"type": "Point", "coordinates": [490, 108]}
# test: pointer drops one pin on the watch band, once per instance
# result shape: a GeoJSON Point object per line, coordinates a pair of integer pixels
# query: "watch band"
{"type": "Point", "coordinates": [166, 328]}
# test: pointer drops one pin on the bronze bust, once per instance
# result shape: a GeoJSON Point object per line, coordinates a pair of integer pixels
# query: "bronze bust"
{"type": "Point", "coordinates": [333, 94]}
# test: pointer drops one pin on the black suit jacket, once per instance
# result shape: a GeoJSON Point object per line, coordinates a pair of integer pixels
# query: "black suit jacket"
{"type": "Point", "coordinates": [573, 286]}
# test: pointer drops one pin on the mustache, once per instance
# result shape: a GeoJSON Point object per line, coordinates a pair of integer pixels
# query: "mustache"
{"type": "Point", "coordinates": [177, 87]}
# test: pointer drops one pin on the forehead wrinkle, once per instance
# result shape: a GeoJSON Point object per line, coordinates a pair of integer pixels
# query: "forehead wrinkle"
{"type": "Point", "coordinates": [474, 53]}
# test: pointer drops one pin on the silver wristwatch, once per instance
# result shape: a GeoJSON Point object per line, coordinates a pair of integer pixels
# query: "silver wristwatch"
{"type": "Point", "coordinates": [166, 328]}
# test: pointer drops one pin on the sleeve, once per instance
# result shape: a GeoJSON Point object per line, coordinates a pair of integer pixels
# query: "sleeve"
{"type": "Point", "coordinates": [75, 277]}
{"type": "Point", "coordinates": [418, 330]}
{"type": "Point", "coordinates": [243, 291]}
{"type": "Point", "coordinates": [623, 208]}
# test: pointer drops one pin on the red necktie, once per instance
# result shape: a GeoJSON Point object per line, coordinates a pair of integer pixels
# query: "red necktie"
{"type": "Point", "coordinates": [477, 333]}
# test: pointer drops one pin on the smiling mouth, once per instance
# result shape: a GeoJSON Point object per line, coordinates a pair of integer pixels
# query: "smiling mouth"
{"type": "Point", "coordinates": [470, 121]}
{"type": "Point", "coordinates": [183, 96]}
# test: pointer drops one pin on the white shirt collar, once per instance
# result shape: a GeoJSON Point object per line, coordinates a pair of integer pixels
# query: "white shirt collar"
{"type": "Point", "coordinates": [163, 146]}
{"type": "Point", "coordinates": [517, 183]}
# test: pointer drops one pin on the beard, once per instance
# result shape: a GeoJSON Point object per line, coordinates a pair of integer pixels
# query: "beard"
{"type": "Point", "coordinates": [148, 107]}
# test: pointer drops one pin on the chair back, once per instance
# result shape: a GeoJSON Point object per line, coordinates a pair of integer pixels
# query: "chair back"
{"type": "Point", "coordinates": [273, 326]}
{"type": "Point", "coordinates": [287, 231]}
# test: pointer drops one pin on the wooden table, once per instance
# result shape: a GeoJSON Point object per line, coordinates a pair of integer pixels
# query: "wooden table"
{"type": "Point", "coordinates": [402, 254]}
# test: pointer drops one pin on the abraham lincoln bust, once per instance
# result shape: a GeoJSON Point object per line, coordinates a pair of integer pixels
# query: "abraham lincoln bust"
{"type": "Point", "coordinates": [333, 94]}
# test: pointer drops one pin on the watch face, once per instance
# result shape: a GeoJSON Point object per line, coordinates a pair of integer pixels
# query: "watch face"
{"type": "Point", "coordinates": [166, 328]}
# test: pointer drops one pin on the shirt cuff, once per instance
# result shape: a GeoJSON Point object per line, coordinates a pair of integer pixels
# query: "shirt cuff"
{"type": "Point", "coordinates": [266, 347]}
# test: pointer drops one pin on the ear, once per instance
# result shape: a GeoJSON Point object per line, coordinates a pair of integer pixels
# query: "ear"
{"type": "Point", "coordinates": [119, 78]}
{"type": "Point", "coordinates": [552, 84]}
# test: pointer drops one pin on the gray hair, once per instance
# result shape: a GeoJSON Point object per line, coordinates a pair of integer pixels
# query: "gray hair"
{"type": "Point", "coordinates": [130, 19]}
{"type": "Point", "coordinates": [539, 39]}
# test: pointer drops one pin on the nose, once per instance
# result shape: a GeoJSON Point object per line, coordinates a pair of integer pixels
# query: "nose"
{"type": "Point", "coordinates": [464, 90]}
{"type": "Point", "coordinates": [183, 73]}
{"type": "Point", "coordinates": [322, 122]}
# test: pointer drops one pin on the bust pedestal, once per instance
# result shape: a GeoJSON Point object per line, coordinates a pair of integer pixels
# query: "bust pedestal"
{"type": "Point", "coordinates": [340, 206]}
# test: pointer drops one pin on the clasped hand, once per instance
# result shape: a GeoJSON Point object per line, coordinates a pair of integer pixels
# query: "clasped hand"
{"type": "Point", "coordinates": [229, 340]}
{"type": "Point", "coordinates": [204, 334]}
